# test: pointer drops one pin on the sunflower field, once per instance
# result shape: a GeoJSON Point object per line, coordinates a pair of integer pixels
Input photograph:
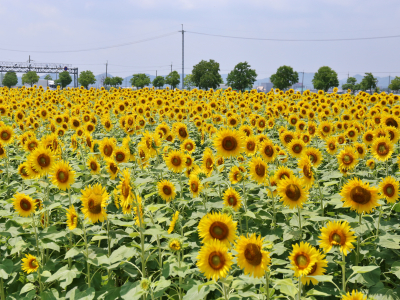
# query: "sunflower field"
{"type": "Point", "coordinates": [176, 194]}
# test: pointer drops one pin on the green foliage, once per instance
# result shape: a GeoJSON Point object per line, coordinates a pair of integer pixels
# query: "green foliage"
{"type": "Point", "coordinates": [284, 77]}
{"type": "Point", "coordinates": [351, 84]}
{"type": "Point", "coordinates": [205, 75]}
{"type": "Point", "coordinates": [158, 82]}
{"type": "Point", "coordinates": [48, 77]}
{"type": "Point", "coordinates": [113, 81]}
{"type": "Point", "coordinates": [368, 82]}
{"type": "Point", "coordinates": [10, 79]}
{"type": "Point", "coordinates": [30, 78]}
{"type": "Point", "coordinates": [325, 79]}
{"type": "Point", "coordinates": [188, 82]}
{"type": "Point", "coordinates": [63, 79]}
{"type": "Point", "coordinates": [173, 79]}
{"type": "Point", "coordinates": [241, 77]}
{"type": "Point", "coordinates": [86, 78]}
{"type": "Point", "coordinates": [395, 84]}
{"type": "Point", "coordinates": [140, 80]}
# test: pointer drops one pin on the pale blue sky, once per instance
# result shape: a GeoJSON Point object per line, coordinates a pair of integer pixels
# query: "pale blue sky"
{"type": "Point", "coordinates": [72, 25]}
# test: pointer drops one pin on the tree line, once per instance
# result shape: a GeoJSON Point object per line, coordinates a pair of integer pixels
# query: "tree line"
{"type": "Point", "coordinates": [205, 75]}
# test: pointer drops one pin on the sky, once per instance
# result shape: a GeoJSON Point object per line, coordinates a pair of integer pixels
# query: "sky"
{"type": "Point", "coordinates": [146, 38]}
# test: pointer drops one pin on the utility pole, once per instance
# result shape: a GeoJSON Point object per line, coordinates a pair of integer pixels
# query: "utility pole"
{"type": "Point", "coordinates": [156, 73]}
{"type": "Point", "coordinates": [389, 84]}
{"type": "Point", "coordinates": [183, 55]}
{"type": "Point", "coordinates": [171, 67]}
{"type": "Point", "coordinates": [302, 83]}
{"type": "Point", "coordinates": [106, 68]}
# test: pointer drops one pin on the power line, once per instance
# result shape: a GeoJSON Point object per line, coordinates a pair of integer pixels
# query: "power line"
{"type": "Point", "coordinates": [94, 49]}
{"type": "Point", "coordinates": [295, 40]}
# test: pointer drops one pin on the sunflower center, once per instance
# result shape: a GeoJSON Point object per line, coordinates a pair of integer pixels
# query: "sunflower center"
{"type": "Point", "coordinates": [209, 163]}
{"type": "Point", "coordinates": [352, 133]}
{"type": "Point", "coordinates": [75, 123]}
{"type": "Point", "coordinates": [93, 166]}
{"type": "Point", "coordinates": [188, 161]}
{"type": "Point", "coordinates": [369, 137]}
{"type": "Point", "coordinates": [113, 168]}
{"type": "Point", "coordinates": [253, 254]}
{"type": "Point", "coordinates": [260, 170]}
{"type": "Point", "coordinates": [313, 269]}
{"type": "Point", "coordinates": [108, 150]}
{"type": "Point", "coordinates": [383, 149]}
{"type": "Point", "coordinates": [194, 187]}
{"type": "Point", "coordinates": [33, 264]}
{"type": "Point", "coordinates": [262, 124]}
{"type": "Point", "coordinates": [307, 171]}
{"type": "Point", "coordinates": [93, 207]}
{"type": "Point", "coordinates": [232, 200]}
{"type": "Point", "coordinates": [336, 238]}
{"type": "Point", "coordinates": [229, 143]}
{"type": "Point", "coordinates": [44, 160]}
{"type": "Point", "coordinates": [182, 132]}
{"type": "Point", "coordinates": [297, 148]}
{"type": "Point", "coordinates": [23, 171]}
{"type": "Point", "coordinates": [32, 145]}
{"type": "Point", "coordinates": [62, 176]}
{"type": "Point", "coordinates": [189, 147]}
{"type": "Point", "coordinates": [120, 157]}
{"type": "Point", "coordinates": [125, 190]}
{"type": "Point", "coordinates": [360, 195]}
{"type": "Point", "coordinates": [5, 135]}
{"type": "Point", "coordinates": [176, 161]}
{"type": "Point", "coordinates": [332, 146]}
{"type": "Point", "coordinates": [219, 230]}
{"type": "Point", "coordinates": [389, 190]}
{"type": "Point", "coordinates": [391, 122]}
{"type": "Point", "coordinates": [216, 260]}
{"type": "Point", "coordinates": [269, 151]}
{"type": "Point", "coordinates": [25, 205]}
{"type": "Point", "coordinates": [347, 159]}
{"type": "Point", "coordinates": [250, 146]}
{"type": "Point", "coordinates": [293, 192]}
{"type": "Point", "coordinates": [167, 190]}
{"type": "Point", "coordinates": [326, 128]}
{"type": "Point", "coordinates": [302, 261]}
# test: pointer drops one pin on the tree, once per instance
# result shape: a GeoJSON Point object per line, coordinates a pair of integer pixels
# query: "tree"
{"type": "Point", "coordinates": [173, 79]}
{"type": "Point", "coordinates": [140, 80]}
{"type": "Point", "coordinates": [206, 75]}
{"type": "Point", "coordinates": [10, 79]}
{"type": "Point", "coordinates": [395, 84]}
{"type": "Point", "coordinates": [188, 82]}
{"type": "Point", "coordinates": [113, 81]}
{"type": "Point", "coordinates": [63, 79]}
{"type": "Point", "coordinates": [368, 82]}
{"type": "Point", "coordinates": [159, 82]}
{"type": "Point", "coordinates": [351, 84]}
{"type": "Point", "coordinates": [30, 78]}
{"type": "Point", "coordinates": [325, 79]}
{"type": "Point", "coordinates": [86, 78]}
{"type": "Point", "coordinates": [48, 77]}
{"type": "Point", "coordinates": [241, 77]}
{"type": "Point", "coordinates": [284, 77]}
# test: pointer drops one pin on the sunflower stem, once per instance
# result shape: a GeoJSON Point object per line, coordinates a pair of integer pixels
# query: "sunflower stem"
{"type": "Point", "coordinates": [70, 233]}
{"type": "Point", "coordinates": [273, 203]}
{"type": "Point", "coordinates": [245, 205]}
{"type": "Point", "coordinates": [343, 273]}
{"type": "Point", "coordinates": [180, 278]}
{"type": "Point", "coordinates": [299, 288]}
{"type": "Point", "coordinates": [379, 221]}
{"type": "Point", "coordinates": [3, 296]}
{"type": "Point", "coordinates": [321, 197]}
{"type": "Point", "coordinates": [358, 241]}
{"type": "Point", "coordinates": [180, 183]}
{"type": "Point", "coordinates": [38, 253]}
{"type": "Point", "coordinates": [301, 233]}
{"type": "Point", "coordinates": [87, 252]}
{"type": "Point", "coordinates": [141, 236]}
{"type": "Point", "coordinates": [226, 296]}
{"type": "Point", "coordinates": [267, 284]}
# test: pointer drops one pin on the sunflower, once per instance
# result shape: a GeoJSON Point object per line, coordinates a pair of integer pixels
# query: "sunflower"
{"type": "Point", "coordinates": [232, 198]}
{"type": "Point", "coordinates": [166, 190]}
{"type": "Point", "coordinates": [235, 175]}
{"type": "Point", "coordinates": [3, 152]}
{"type": "Point", "coordinates": [303, 258]}
{"type": "Point", "coordinates": [107, 147]}
{"type": "Point", "coordinates": [62, 175]}
{"type": "Point", "coordinates": [175, 245]}
{"type": "Point", "coordinates": [250, 145]}
{"type": "Point", "coordinates": [173, 222]}
{"type": "Point", "coordinates": [359, 196]}
{"type": "Point", "coordinates": [382, 148]}
{"type": "Point", "coordinates": [371, 164]}
{"type": "Point", "coordinates": [214, 260]}
{"type": "Point", "coordinates": [6, 134]}
{"type": "Point", "coordinates": [93, 165]}
{"type": "Point", "coordinates": [94, 201]}
{"type": "Point", "coordinates": [72, 218]}
{"type": "Point", "coordinates": [315, 156]}
{"type": "Point", "coordinates": [217, 226]}
{"type": "Point", "coordinates": [175, 161]}
{"type": "Point", "coordinates": [316, 270]}
{"type": "Point", "coordinates": [337, 233]}
{"type": "Point", "coordinates": [296, 147]}
{"type": "Point", "coordinates": [355, 295]}
{"type": "Point", "coordinates": [195, 185]}
{"type": "Point", "coordinates": [23, 170]}
{"type": "Point", "coordinates": [181, 131]}
{"type": "Point", "coordinates": [138, 203]}
{"type": "Point", "coordinates": [112, 168]}
{"type": "Point", "coordinates": [29, 264]}
{"type": "Point", "coordinates": [331, 145]}
{"type": "Point", "coordinates": [228, 143]}
{"type": "Point", "coordinates": [251, 257]}
{"type": "Point", "coordinates": [31, 144]}
{"type": "Point", "coordinates": [267, 150]}
{"type": "Point", "coordinates": [124, 188]}
{"type": "Point", "coordinates": [389, 189]}
{"type": "Point", "coordinates": [208, 161]}
{"type": "Point", "coordinates": [292, 192]}
{"type": "Point", "coordinates": [188, 145]}
{"type": "Point", "coordinates": [258, 170]}
{"type": "Point", "coordinates": [122, 155]}
{"type": "Point", "coordinates": [347, 158]}
{"type": "Point", "coordinates": [282, 173]}
{"type": "Point", "coordinates": [361, 149]}
{"type": "Point", "coordinates": [42, 160]}
{"type": "Point", "coordinates": [305, 166]}
{"type": "Point", "coordinates": [368, 137]}
{"type": "Point", "coordinates": [24, 205]}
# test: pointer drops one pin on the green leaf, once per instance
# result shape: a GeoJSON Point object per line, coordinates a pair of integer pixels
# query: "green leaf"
{"type": "Point", "coordinates": [26, 288]}
{"type": "Point", "coordinates": [396, 269]}
{"type": "Point", "coordinates": [87, 294]}
{"type": "Point", "coordinates": [314, 292]}
{"type": "Point", "coordinates": [64, 275]}
{"type": "Point", "coordinates": [155, 207]}
{"type": "Point", "coordinates": [250, 214]}
{"type": "Point", "coordinates": [131, 291]}
{"type": "Point", "coordinates": [195, 294]}
{"type": "Point", "coordinates": [361, 270]}
{"type": "Point", "coordinates": [72, 252]}
{"type": "Point", "coordinates": [322, 278]}
{"type": "Point", "coordinates": [6, 268]}
{"type": "Point", "coordinates": [287, 287]}
{"type": "Point", "coordinates": [204, 284]}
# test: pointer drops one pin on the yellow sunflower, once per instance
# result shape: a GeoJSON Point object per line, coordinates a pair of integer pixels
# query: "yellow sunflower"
{"type": "Point", "coordinates": [347, 158]}
{"type": "Point", "coordinates": [389, 189]}
{"type": "Point", "coordinates": [181, 131]}
{"type": "Point", "coordinates": [382, 148]}
{"type": "Point", "coordinates": [282, 173]}
{"type": "Point", "coordinates": [228, 143]}
{"type": "Point", "coordinates": [72, 218]}
{"type": "Point", "coordinates": [29, 264]}
{"type": "Point", "coordinates": [305, 168]}
{"type": "Point", "coordinates": [331, 145]}
{"type": "Point", "coordinates": [112, 168]}
{"type": "Point", "coordinates": [93, 165]}
{"type": "Point", "coordinates": [195, 185]}
{"type": "Point", "coordinates": [175, 161]}
{"type": "Point", "coordinates": [31, 144]}
{"type": "Point", "coordinates": [371, 164]}
{"type": "Point", "coordinates": [296, 147]}
{"type": "Point", "coordinates": [6, 134]}
{"type": "Point", "coordinates": [267, 150]}
{"type": "Point", "coordinates": [62, 175]}
{"type": "Point", "coordinates": [303, 258]}
{"type": "Point", "coordinates": [3, 152]}
{"type": "Point", "coordinates": [214, 260]}
{"type": "Point", "coordinates": [188, 145]}
{"type": "Point", "coordinates": [217, 226]}
{"type": "Point", "coordinates": [339, 234]}
{"type": "Point", "coordinates": [121, 155]}
{"type": "Point", "coordinates": [251, 257]}
{"type": "Point", "coordinates": [23, 170]}
{"type": "Point", "coordinates": [173, 222]}
{"type": "Point", "coordinates": [124, 188]}
{"type": "Point", "coordinates": [94, 202]}
{"type": "Point", "coordinates": [166, 190]}
{"type": "Point", "coordinates": [250, 145]}
{"type": "Point", "coordinates": [235, 175]}
{"type": "Point", "coordinates": [361, 149]}
{"type": "Point", "coordinates": [315, 156]}
{"type": "Point", "coordinates": [359, 196]}
{"type": "Point", "coordinates": [24, 205]}
{"type": "Point", "coordinates": [42, 160]}
{"type": "Point", "coordinates": [316, 270]}
{"type": "Point", "coordinates": [258, 170]}
{"type": "Point", "coordinates": [175, 245]}
{"type": "Point", "coordinates": [355, 295]}
{"type": "Point", "coordinates": [232, 198]}
{"type": "Point", "coordinates": [107, 147]}
{"type": "Point", "coordinates": [292, 192]}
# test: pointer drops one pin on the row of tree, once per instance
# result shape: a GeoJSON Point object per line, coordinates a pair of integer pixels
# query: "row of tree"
{"type": "Point", "coordinates": [205, 75]}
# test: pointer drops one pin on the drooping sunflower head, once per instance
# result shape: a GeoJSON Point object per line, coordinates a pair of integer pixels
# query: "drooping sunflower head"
{"type": "Point", "coordinates": [217, 226]}
{"type": "Point", "coordinates": [236, 175]}
{"type": "Point", "coordinates": [347, 158]}
{"type": "Point", "coordinates": [382, 148]}
{"type": "Point", "coordinates": [124, 188]}
{"type": "Point", "coordinates": [29, 264]}
{"type": "Point", "coordinates": [258, 170]}
{"type": "Point", "coordinates": [94, 201]}
{"type": "Point", "coordinates": [305, 166]}
{"type": "Point", "coordinates": [112, 168]}
{"type": "Point", "coordinates": [303, 258]}
{"type": "Point", "coordinates": [24, 205]}
{"type": "Point", "coordinates": [317, 269]}
{"type": "Point", "coordinates": [72, 218]}
{"type": "Point", "coordinates": [228, 143]}
{"type": "Point", "coordinates": [338, 234]}
{"type": "Point", "coordinates": [62, 175]}
{"type": "Point", "coordinates": [292, 192]}
{"type": "Point", "coordinates": [166, 190]}
{"type": "Point", "coordinates": [359, 196]}
{"type": "Point", "coordinates": [251, 257]}
{"type": "Point", "coordinates": [232, 199]}
{"type": "Point", "coordinates": [389, 189]}
{"type": "Point", "coordinates": [173, 222]}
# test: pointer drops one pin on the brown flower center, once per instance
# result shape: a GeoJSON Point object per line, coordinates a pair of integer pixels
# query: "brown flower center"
{"type": "Point", "coordinates": [32, 145]}
{"type": "Point", "coordinates": [33, 264]}
{"type": "Point", "coordinates": [189, 147]}
{"type": "Point", "coordinates": [75, 123]}
{"type": "Point", "coordinates": [389, 190]}
{"type": "Point", "coordinates": [232, 200]}
{"type": "Point", "coordinates": [307, 171]}
{"type": "Point", "coordinates": [108, 150]}
{"type": "Point", "coordinates": [313, 269]}
{"type": "Point", "coordinates": [167, 190]}
{"type": "Point", "coordinates": [125, 190]}
{"type": "Point", "coordinates": [43, 160]}
{"type": "Point", "coordinates": [253, 255]}
{"type": "Point", "coordinates": [93, 207]}
{"type": "Point", "coordinates": [182, 132]}
{"type": "Point", "coordinates": [229, 143]}
{"type": "Point", "coordinates": [219, 230]}
{"type": "Point", "coordinates": [93, 166]}
{"type": "Point", "coordinates": [5, 135]}
{"type": "Point", "coordinates": [269, 151]}
{"type": "Point", "coordinates": [302, 261]}
{"type": "Point", "coordinates": [360, 195]}
{"type": "Point", "coordinates": [25, 205]}
{"type": "Point", "coordinates": [391, 122]}
{"type": "Point", "coordinates": [176, 161]}
{"type": "Point", "coordinates": [336, 238]}
{"type": "Point", "coordinates": [194, 186]}
{"type": "Point", "coordinates": [347, 159]}
{"type": "Point", "coordinates": [260, 170]}
{"type": "Point", "coordinates": [113, 168]}
{"type": "Point", "coordinates": [120, 157]}
{"type": "Point", "coordinates": [62, 176]}
{"type": "Point", "coordinates": [293, 192]}
{"type": "Point", "coordinates": [216, 260]}
{"type": "Point", "coordinates": [382, 148]}
{"type": "Point", "coordinates": [297, 148]}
